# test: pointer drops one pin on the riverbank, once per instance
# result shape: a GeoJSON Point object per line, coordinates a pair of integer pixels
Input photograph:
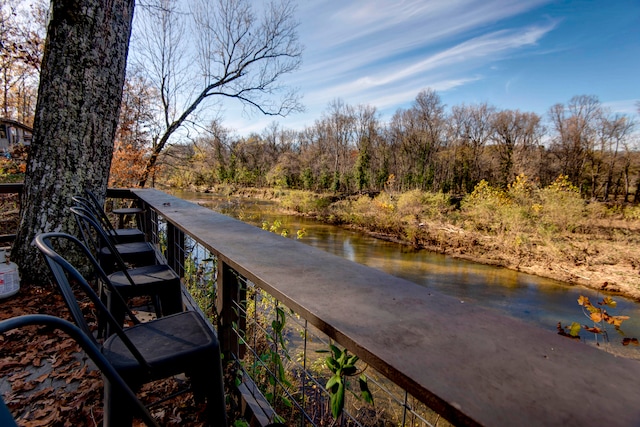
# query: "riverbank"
{"type": "Point", "coordinates": [588, 244]}
{"type": "Point", "coordinates": [594, 262]}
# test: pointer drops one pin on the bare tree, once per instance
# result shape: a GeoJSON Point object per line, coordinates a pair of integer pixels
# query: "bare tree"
{"type": "Point", "coordinates": [515, 135]}
{"type": "Point", "coordinates": [316, 159]}
{"type": "Point", "coordinates": [431, 121]}
{"type": "Point", "coordinates": [417, 134]}
{"type": "Point", "coordinates": [471, 129]}
{"type": "Point", "coordinates": [614, 131]}
{"type": "Point", "coordinates": [134, 132]}
{"type": "Point", "coordinates": [367, 132]}
{"type": "Point", "coordinates": [239, 56]}
{"type": "Point", "coordinates": [574, 138]}
{"type": "Point", "coordinates": [21, 46]}
{"type": "Point", "coordinates": [81, 82]}
{"type": "Point", "coordinates": [340, 125]}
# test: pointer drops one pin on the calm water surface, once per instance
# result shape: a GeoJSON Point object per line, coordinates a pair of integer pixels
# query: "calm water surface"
{"type": "Point", "coordinates": [534, 299]}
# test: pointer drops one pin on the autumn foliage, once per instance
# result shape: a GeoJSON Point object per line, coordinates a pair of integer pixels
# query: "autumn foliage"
{"type": "Point", "coordinates": [133, 139]}
{"type": "Point", "coordinates": [127, 165]}
{"type": "Point", "coordinates": [600, 317]}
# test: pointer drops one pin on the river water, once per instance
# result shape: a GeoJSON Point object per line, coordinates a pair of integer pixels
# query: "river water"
{"type": "Point", "coordinates": [537, 300]}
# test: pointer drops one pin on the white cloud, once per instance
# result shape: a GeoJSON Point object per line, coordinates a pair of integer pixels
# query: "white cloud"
{"type": "Point", "coordinates": [626, 106]}
{"type": "Point", "coordinates": [383, 52]}
{"type": "Point", "coordinates": [418, 71]}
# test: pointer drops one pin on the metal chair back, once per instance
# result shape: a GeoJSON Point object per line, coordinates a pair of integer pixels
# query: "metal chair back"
{"type": "Point", "coordinates": [95, 205]}
{"type": "Point", "coordinates": [179, 343]}
{"type": "Point", "coordinates": [95, 237]}
{"type": "Point", "coordinates": [64, 273]}
{"type": "Point", "coordinates": [89, 347]}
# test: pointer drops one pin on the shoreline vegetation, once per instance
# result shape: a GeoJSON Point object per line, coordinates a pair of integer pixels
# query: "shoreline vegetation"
{"type": "Point", "coordinates": [550, 232]}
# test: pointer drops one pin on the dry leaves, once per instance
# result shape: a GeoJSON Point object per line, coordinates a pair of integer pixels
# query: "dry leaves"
{"type": "Point", "coordinates": [46, 380]}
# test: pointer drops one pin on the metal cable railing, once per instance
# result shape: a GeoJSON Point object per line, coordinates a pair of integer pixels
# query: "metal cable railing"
{"type": "Point", "coordinates": [471, 365]}
{"type": "Point", "coordinates": [280, 350]}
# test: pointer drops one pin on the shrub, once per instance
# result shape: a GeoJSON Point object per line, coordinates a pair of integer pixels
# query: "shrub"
{"type": "Point", "coordinates": [631, 213]}
{"type": "Point", "coordinates": [562, 207]}
{"type": "Point", "coordinates": [420, 204]}
{"type": "Point", "coordinates": [305, 202]}
{"type": "Point", "coordinates": [12, 170]}
{"type": "Point", "coordinates": [484, 207]}
{"type": "Point", "coordinates": [436, 206]}
{"type": "Point", "coordinates": [410, 204]}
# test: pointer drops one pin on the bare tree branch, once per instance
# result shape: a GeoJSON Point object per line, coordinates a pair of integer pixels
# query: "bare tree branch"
{"type": "Point", "coordinates": [239, 56]}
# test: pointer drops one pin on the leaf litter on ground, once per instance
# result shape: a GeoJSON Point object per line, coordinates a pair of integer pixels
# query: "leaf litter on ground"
{"type": "Point", "coordinates": [47, 380]}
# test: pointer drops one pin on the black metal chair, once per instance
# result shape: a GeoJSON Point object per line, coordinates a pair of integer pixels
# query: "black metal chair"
{"type": "Point", "coordinates": [160, 348]}
{"type": "Point", "coordinates": [6, 419]}
{"type": "Point", "coordinates": [111, 376]}
{"type": "Point", "coordinates": [119, 235]}
{"type": "Point", "coordinates": [136, 212]}
{"type": "Point", "coordinates": [106, 249]}
{"type": "Point", "coordinates": [158, 281]}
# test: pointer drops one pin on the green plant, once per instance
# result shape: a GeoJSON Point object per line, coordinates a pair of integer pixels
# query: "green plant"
{"type": "Point", "coordinates": [278, 342]}
{"type": "Point", "coordinates": [301, 233]}
{"type": "Point", "coordinates": [200, 281]}
{"type": "Point", "coordinates": [276, 227]}
{"type": "Point", "coordinates": [562, 207]}
{"type": "Point", "coordinates": [267, 363]}
{"type": "Point", "coordinates": [343, 365]}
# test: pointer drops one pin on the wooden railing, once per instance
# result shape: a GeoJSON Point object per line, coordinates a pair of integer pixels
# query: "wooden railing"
{"type": "Point", "coordinates": [16, 189]}
{"type": "Point", "coordinates": [469, 364]}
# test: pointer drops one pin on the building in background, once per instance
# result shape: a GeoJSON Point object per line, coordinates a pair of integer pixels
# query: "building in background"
{"type": "Point", "coordinates": [13, 133]}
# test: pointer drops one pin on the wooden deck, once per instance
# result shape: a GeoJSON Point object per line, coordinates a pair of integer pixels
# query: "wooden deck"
{"type": "Point", "coordinates": [468, 363]}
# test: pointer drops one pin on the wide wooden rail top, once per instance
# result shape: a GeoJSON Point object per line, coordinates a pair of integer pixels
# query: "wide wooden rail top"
{"type": "Point", "coordinates": [470, 364]}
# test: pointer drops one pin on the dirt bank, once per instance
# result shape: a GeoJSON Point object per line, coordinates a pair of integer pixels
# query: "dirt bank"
{"type": "Point", "coordinates": [597, 262]}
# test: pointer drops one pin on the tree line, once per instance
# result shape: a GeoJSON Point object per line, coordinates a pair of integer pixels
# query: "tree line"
{"type": "Point", "coordinates": [21, 46]}
{"type": "Point", "coordinates": [427, 147]}
{"type": "Point", "coordinates": [349, 149]}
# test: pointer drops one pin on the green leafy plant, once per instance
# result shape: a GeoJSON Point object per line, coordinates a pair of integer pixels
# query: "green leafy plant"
{"type": "Point", "coordinates": [267, 365]}
{"type": "Point", "coordinates": [276, 228]}
{"type": "Point", "coordinates": [343, 365]}
{"type": "Point", "coordinates": [200, 281]}
{"type": "Point", "coordinates": [278, 342]}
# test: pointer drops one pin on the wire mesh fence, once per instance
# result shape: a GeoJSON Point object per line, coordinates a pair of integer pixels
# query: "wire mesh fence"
{"type": "Point", "coordinates": [281, 354]}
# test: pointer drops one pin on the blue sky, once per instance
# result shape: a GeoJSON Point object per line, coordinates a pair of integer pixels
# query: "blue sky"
{"type": "Point", "coordinates": [514, 54]}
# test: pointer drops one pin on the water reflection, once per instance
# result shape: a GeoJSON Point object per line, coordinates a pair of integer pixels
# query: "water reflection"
{"type": "Point", "coordinates": [537, 300]}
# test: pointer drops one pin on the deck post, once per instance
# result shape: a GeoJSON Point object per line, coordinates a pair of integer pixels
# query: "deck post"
{"type": "Point", "coordinates": [230, 295]}
{"type": "Point", "coordinates": [175, 249]}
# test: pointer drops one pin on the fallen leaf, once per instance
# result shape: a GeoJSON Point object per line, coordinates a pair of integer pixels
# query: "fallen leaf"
{"type": "Point", "coordinates": [42, 420]}
{"type": "Point", "coordinates": [595, 330]}
{"type": "Point", "coordinates": [19, 376]}
{"type": "Point", "coordinates": [42, 378]}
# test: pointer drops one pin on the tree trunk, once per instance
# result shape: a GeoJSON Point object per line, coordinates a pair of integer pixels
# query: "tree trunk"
{"type": "Point", "coordinates": [81, 81]}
